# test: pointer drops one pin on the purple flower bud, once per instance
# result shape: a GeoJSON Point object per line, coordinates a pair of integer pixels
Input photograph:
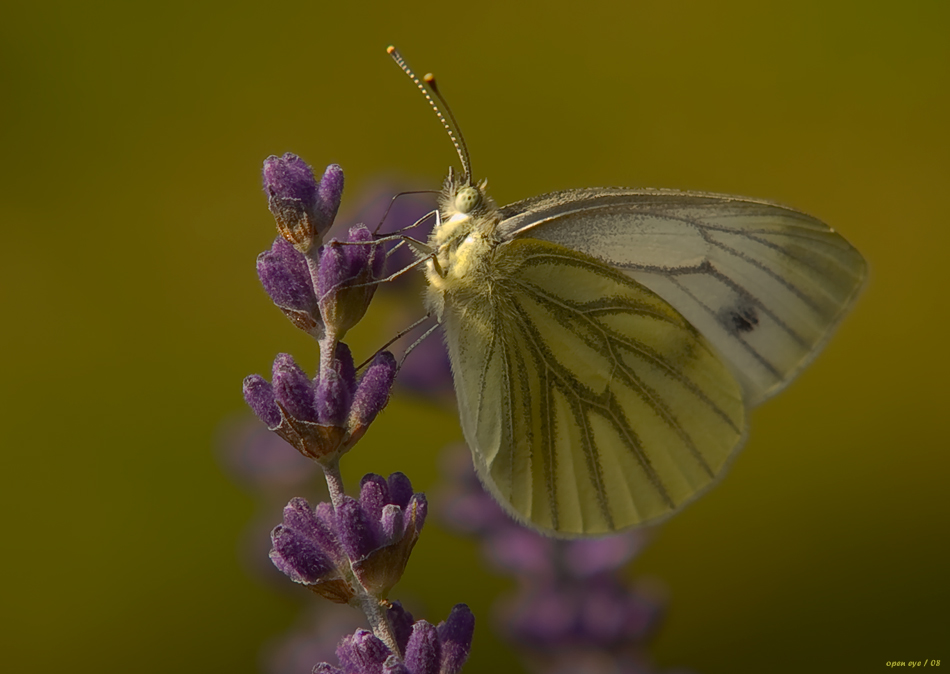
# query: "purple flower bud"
{"type": "Point", "coordinates": [362, 653]}
{"type": "Point", "coordinates": [285, 275]}
{"type": "Point", "coordinates": [324, 512]}
{"type": "Point", "coordinates": [456, 637]}
{"type": "Point", "coordinates": [298, 556]}
{"type": "Point", "coordinates": [401, 621]}
{"type": "Point", "coordinates": [259, 395]}
{"type": "Point", "coordinates": [306, 549]}
{"type": "Point", "coordinates": [393, 524]}
{"type": "Point", "coordinates": [293, 389]}
{"type": "Point", "coordinates": [345, 280]}
{"type": "Point", "coordinates": [400, 489]}
{"type": "Point", "coordinates": [374, 495]}
{"type": "Point", "coordinates": [303, 546]}
{"type": "Point", "coordinates": [334, 390]}
{"type": "Point", "coordinates": [377, 536]}
{"type": "Point", "coordinates": [300, 516]}
{"type": "Point", "coordinates": [358, 535]}
{"type": "Point", "coordinates": [314, 524]}
{"type": "Point", "coordinates": [416, 511]}
{"type": "Point", "coordinates": [355, 259]}
{"type": "Point", "coordinates": [372, 392]}
{"type": "Point", "coordinates": [371, 257]}
{"type": "Point", "coordinates": [428, 649]}
{"type": "Point", "coordinates": [423, 652]}
{"type": "Point", "coordinates": [329, 196]}
{"type": "Point", "coordinates": [303, 209]}
{"type": "Point", "coordinates": [336, 267]}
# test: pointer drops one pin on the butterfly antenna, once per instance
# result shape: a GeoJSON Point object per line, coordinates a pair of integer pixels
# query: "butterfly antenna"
{"type": "Point", "coordinates": [451, 126]}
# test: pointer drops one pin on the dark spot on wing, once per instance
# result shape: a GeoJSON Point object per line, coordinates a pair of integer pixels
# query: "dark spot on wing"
{"type": "Point", "coordinates": [741, 318]}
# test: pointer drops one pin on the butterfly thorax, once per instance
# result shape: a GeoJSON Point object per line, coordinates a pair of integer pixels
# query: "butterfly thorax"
{"type": "Point", "coordinates": [463, 242]}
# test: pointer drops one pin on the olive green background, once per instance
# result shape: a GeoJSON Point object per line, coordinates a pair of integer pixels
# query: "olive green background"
{"type": "Point", "coordinates": [132, 137]}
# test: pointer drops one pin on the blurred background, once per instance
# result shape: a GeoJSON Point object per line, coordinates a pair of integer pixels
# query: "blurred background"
{"type": "Point", "coordinates": [132, 137]}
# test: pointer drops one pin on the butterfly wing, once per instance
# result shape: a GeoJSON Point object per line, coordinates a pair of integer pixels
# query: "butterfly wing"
{"type": "Point", "coordinates": [764, 283]}
{"type": "Point", "coordinates": [590, 404]}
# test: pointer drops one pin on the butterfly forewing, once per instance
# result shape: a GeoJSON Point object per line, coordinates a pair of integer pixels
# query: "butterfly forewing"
{"type": "Point", "coordinates": [764, 283]}
{"type": "Point", "coordinates": [591, 405]}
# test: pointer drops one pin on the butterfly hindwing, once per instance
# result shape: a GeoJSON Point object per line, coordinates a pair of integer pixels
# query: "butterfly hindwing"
{"type": "Point", "coordinates": [590, 404]}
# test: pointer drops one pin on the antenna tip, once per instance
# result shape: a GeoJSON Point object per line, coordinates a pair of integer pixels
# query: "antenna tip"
{"type": "Point", "coordinates": [430, 80]}
{"type": "Point", "coordinates": [390, 49]}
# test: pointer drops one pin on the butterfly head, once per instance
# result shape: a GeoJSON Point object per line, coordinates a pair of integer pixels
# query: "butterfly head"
{"type": "Point", "coordinates": [464, 208]}
{"type": "Point", "coordinates": [463, 198]}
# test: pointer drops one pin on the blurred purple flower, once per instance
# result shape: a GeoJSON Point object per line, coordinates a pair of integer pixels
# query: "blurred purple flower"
{"type": "Point", "coordinates": [573, 604]}
{"type": "Point", "coordinates": [427, 371]}
{"type": "Point", "coordinates": [258, 459]}
{"type": "Point", "coordinates": [313, 638]}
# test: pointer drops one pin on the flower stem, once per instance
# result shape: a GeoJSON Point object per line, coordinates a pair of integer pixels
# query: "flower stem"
{"type": "Point", "coordinates": [379, 621]}
{"type": "Point", "coordinates": [331, 471]}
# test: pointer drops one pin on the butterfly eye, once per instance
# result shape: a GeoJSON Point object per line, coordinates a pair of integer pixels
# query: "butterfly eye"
{"type": "Point", "coordinates": [467, 199]}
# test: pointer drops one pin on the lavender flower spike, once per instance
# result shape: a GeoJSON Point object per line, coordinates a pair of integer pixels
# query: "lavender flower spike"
{"type": "Point", "coordinates": [304, 209]}
{"type": "Point", "coordinates": [323, 419]}
{"type": "Point", "coordinates": [365, 542]}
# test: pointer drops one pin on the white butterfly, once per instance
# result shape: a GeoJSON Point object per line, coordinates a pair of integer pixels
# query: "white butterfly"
{"type": "Point", "coordinates": [606, 344]}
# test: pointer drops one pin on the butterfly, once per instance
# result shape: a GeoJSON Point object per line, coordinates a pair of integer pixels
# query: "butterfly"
{"type": "Point", "coordinates": [607, 344]}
